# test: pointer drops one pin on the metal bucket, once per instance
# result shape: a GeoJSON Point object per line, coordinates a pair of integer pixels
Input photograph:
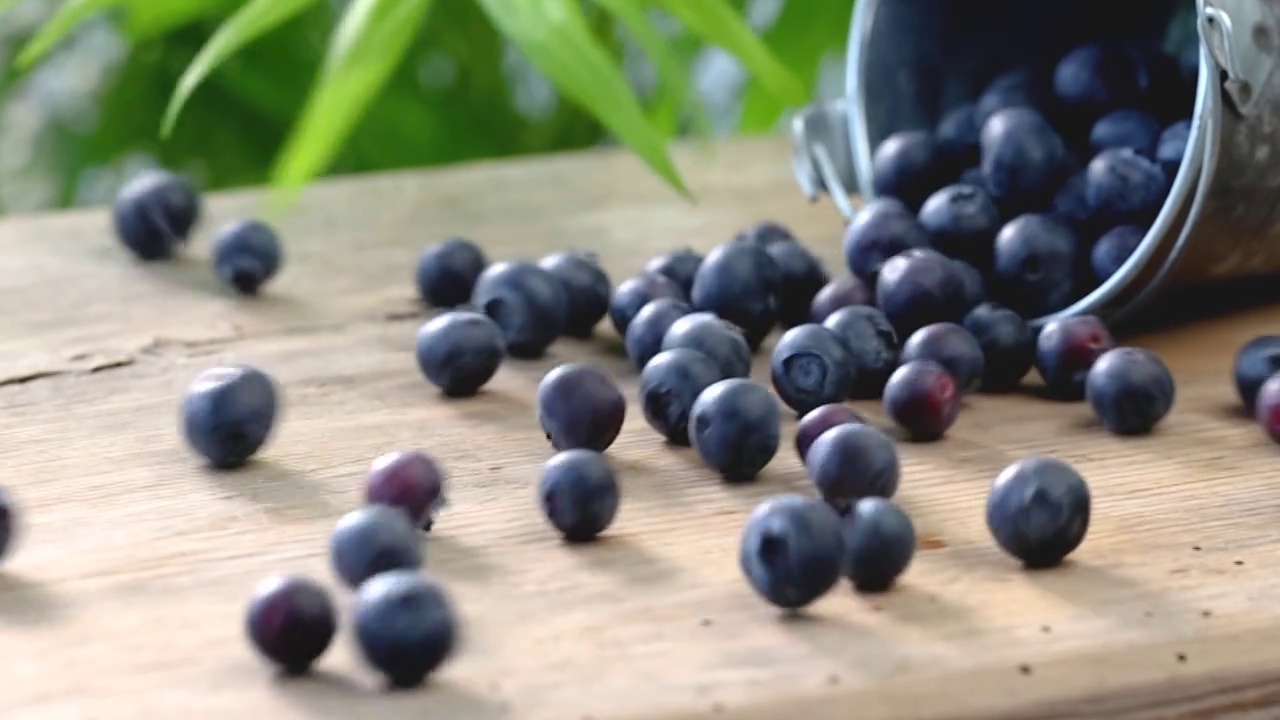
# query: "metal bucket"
{"type": "Point", "coordinates": [911, 60]}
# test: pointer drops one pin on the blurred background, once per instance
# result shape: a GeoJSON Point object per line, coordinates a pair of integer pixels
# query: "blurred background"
{"type": "Point", "coordinates": [86, 113]}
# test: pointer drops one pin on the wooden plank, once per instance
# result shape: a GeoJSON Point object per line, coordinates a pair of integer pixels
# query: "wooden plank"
{"type": "Point", "coordinates": [125, 598]}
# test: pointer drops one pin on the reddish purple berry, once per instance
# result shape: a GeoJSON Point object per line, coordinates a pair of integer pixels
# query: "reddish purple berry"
{"type": "Point", "coordinates": [840, 293]}
{"type": "Point", "coordinates": [408, 480]}
{"type": "Point", "coordinates": [1066, 350]}
{"type": "Point", "coordinates": [291, 621]}
{"type": "Point", "coordinates": [821, 419]}
{"type": "Point", "coordinates": [922, 398]}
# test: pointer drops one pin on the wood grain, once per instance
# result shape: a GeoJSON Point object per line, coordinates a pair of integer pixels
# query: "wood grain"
{"type": "Point", "coordinates": [125, 598]}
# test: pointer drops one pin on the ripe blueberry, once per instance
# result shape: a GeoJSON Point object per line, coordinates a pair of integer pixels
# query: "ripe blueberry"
{"type": "Point", "coordinates": [1094, 79]}
{"type": "Point", "coordinates": [1018, 87]}
{"type": "Point", "coordinates": [1130, 389]}
{"type": "Point", "coordinates": [1114, 248]}
{"type": "Point", "coordinates": [528, 304]}
{"type": "Point", "coordinates": [154, 212]}
{"type": "Point", "coordinates": [650, 326]}
{"type": "Point", "coordinates": [905, 166]}
{"type": "Point", "coordinates": [8, 523]}
{"type": "Point", "coordinates": [872, 344]}
{"type": "Point", "coordinates": [821, 419]}
{"type": "Point", "coordinates": [952, 347]}
{"type": "Point", "coordinates": [957, 139]}
{"type": "Point", "coordinates": [801, 276]}
{"type": "Point", "coordinates": [371, 540]}
{"type": "Point", "coordinates": [1022, 156]}
{"type": "Point", "coordinates": [738, 281]}
{"type": "Point", "coordinates": [1065, 350]}
{"type": "Point", "coordinates": [853, 461]}
{"type": "Point", "coordinates": [408, 480]}
{"type": "Point", "coordinates": [447, 272]}
{"type": "Point", "coordinates": [973, 176]}
{"type": "Point", "coordinates": [840, 293]}
{"type": "Point", "coordinates": [580, 407]}
{"type": "Point", "coordinates": [1267, 408]}
{"type": "Point", "coordinates": [1257, 360]}
{"type": "Point", "coordinates": [922, 399]}
{"type": "Point", "coordinates": [587, 290]}
{"type": "Point", "coordinates": [246, 254]}
{"type": "Point", "coordinates": [405, 626]}
{"type": "Point", "coordinates": [1038, 511]}
{"type": "Point", "coordinates": [1123, 186]}
{"type": "Point", "coordinates": [879, 542]}
{"type": "Point", "coordinates": [228, 413]}
{"type": "Point", "coordinates": [881, 229]}
{"type": "Point", "coordinates": [679, 267]}
{"type": "Point", "coordinates": [669, 385]}
{"type": "Point", "coordinates": [1071, 207]}
{"type": "Point", "coordinates": [962, 222]}
{"type": "Point", "coordinates": [1007, 343]}
{"type": "Point", "coordinates": [1035, 265]}
{"type": "Point", "coordinates": [633, 294]}
{"type": "Point", "coordinates": [1126, 128]}
{"type": "Point", "coordinates": [1172, 146]}
{"type": "Point", "coordinates": [811, 366]}
{"type": "Point", "coordinates": [460, 351]}
{"type": "Point", "coordinates": [766, 233]}
{"type": "Point", "coordinates": [579, 494]}
{"type": "Point", "coordinates": [291, 621]}
{"type": "Point", "coordinates": [975, 288]}
{"type": "Point", "coordinates": [735, 426]}
{"type": "Point", "coordinates": [705, 333]}
{"type": "Point", "coordinates": [918, 288]}
{"type": "Point", "coordinates": [792, 551]}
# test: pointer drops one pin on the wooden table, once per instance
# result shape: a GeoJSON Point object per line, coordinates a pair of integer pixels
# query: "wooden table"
{"type": "Point", "coordinates": [125, 597]}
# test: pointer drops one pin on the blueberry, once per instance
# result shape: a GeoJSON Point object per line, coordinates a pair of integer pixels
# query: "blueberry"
{"type": "Point", "coordinates": [1267, 408]}
{"type": "Point", "coordinates": [291, 621]}
{"type": "Point", "coordinates": [580, 407]}
{"type": "Point", "coordinates": [801, 277]}
{"type": "Point", "coordinates": [408, 480]}
{"type": "Point", "coordinates": [922, 399]}
{"type": "Point", "coordinates": [1172, 146]}
{"type": "Point", "coordinates": [975, 288]}
{"type": "Point", "coordinates": [961, 221]}
{"type": "Point", "coordinates": [872, 344]}
{"type": "Point", "coordinates": [528, 304]}
{"type": "Point", "coordinates": [819, 420]}
{"type": "Point", "coordinates": [811, 366]}
{"type": "Point", "coordinates": [766, 233]}
{"type": "Point", "coordinates": [973, 176]}
{"type": "Point", "coordinates": [246, 254]}
{"type": "Point", "coordinates": [1035, 264]}
{"type": "Point", "coordinates": [405, 626]}
{"type": "Point", "coordinates": [371, 540]}
{"type": "Point", "coordinates": [918, 288]}
{"type": "Point", "coordinates": [8, 522]}
{"type": "Point", "coordinates": [905, 166]}
{"type": "Point", "coordinates": [952, 347]}
{"type": "Point", "coordinates": [735, 426]}
{"type": "Point", "coordinates": [737, 281]}
{"type": "Point", "coordinates": [1114, 248]}
{"type": "Point", "coordinates": [1094, 79]}
{"type": "Point", "coordinates": [845, 291]}
{"type": "Point", "coordinates": [880, 230]}
{"type": "Point", "coordinates": [1038, 511]}
{"type": "Point", "coordinates": [879, 542]}
{"type": "Point", "coordinates": [1008, 346]}
{"type": "Point", "coordinates": [1070, 205]}
{"type": "Point", "coordinates": [792, 551]}
{"type": "Point", "coordinates": [669, 385]}
{"type": "Point", "coordinates": [1130, 389]}
{"type": "Point", "coordinates": [1257, 360]}
{"type": "Point", "coordinates": [679, 267]}
{"type": "Point", "coordinates": [460, 351]}
{"type": "Point", "coordinates": [579, 494]}
{"type": "Point", "coordinates": [630, 297]}
{"type": "Point", "coordinates": [957, 139]}
{"type": "Point", "coordinates": [1065, 350]}
{"type": "Point", "coordinates": [587, 290]}
{"type": "Point", "coordinates": [155, 212]}
{"type": "Point", "coordinates": [1126, 128]}
{"type": "Point", "coordinates": [1014, 88]}
{"type": "Point", "coordinates": [705, 333]}
{"type": "Point", "coordinates": [1122, 186]}
{"type": "Point", "coordinates": [850, 462]}
{"type": "Point", "coordinates": [1022, 156]}
{"type": "Point", "coordinates": [228, 413]}
{"type": "Point", "coordinates": [650, 326]}
{"type": "Point", "coordinates": [447, 272]}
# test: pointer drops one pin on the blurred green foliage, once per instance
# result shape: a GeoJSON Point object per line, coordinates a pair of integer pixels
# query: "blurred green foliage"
{"type": "Point", "coordinates": [251, 91]}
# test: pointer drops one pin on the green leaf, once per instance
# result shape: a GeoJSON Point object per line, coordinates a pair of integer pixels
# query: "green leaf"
{"type": "Point", "coordinates": [149, 19]}
{"type": "Point", "coordinates": [804, 34]}
{"type": "Point", "coordinates": [249, 23]}
{"type": "Point", "coordinates": [717, 22]}
{"type": "Point", "coordinates": [370, 42]}
{"type": "Point", "coordinates": [67, 18]}
{"type": "Point", "coordinates": [555, 36]}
